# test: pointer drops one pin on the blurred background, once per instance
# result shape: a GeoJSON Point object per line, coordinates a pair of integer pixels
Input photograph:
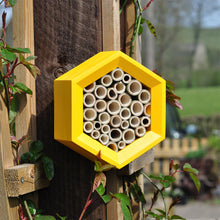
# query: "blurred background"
{"type": "Point", "coordinates": [187, 52]}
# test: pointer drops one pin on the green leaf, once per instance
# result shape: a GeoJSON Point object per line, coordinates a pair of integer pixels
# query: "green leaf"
{"type": "Point", "coordinates": [177, 217]}
{"type": "Point", "coordinates": [126, 211]}
{"type": "Point", "coordinates": [18, 50]}
{"type": "Point", "coordinates": [23, 88]}
{"type": "Point", "coordinates": [25, 158]}
{"type": "Point", "coordinates": [100, 168]}
{"type": "Point", "coordinates": [44, 217]}
{"type": "Point", "coordinates": [97, 166]}
{"type": "Point", "coordinates": [123, 198]}
{"type": "Point", "coordinates": [143, 20]}
{"type": "Point", "coordinates": [9, 56]}
{"type": "Point", "coordinates": [140, 31]}
{"type": "Point", "coordinates": [30, 58]}
{"type": "Point", "coordinates": [100, 190]}
{"type": "Point", "coordinates": [36, 146]}
{"type": "Point", "coordinates": [35, 157]}
{"type": "Point", "coordinates": [171, 179]}
{"type": "Point", "coordinates": [156, 177]}
{"type": "Point", "coordinates": [176, 166]}
{"type": "Point", "coordinates": [188, 168]}
{"type": "Point", "coordinates": [153, 215]}
{"type": "Point", "coordinates": [33, 69]}
{"type": "Point", "coordinates": [165, 183]}
{"type": "Point", "coordinates": [60, 217]}
{"type": "Point", "coordinates": [14, 108]}
{"type": "Point", "coordinates": [151, 28]}
{"type": "Point", "coordinates": [106, 198]}
{"type": "Point", "coordinates": [48, 167]}
{"type": "Point", "coordinates": [12, 2]}
{"type": "Point", "coordinates": [137, 193]}
{"type": "Point", "coordinates": [196, 181]}
{"type": "Point", "coordinates": [31, 206]}
{"type": "Point", "coordinates": [161, 211]}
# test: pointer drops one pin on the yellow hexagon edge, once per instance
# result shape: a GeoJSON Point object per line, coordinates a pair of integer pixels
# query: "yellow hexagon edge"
{"type": "Point", "coordinates": [68, 107]}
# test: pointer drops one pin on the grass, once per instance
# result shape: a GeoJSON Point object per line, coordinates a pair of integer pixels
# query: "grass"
{"type": "Point", "coordinates": [208, 36]}
{"type": "Point", "coordinates": [199, 101]}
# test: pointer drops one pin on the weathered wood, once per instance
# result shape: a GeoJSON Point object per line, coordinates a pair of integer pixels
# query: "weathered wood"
{"type": "Point", "coordinates": [129, 27]}
{"type": "Point", "coordinates": [25, 178]}
{"type": "Point", "coordinates": [111, 25]}
{"type": "Point", "coordinates": [138, 164]}
{"type": "Point", "coordinates": [8, 211]}
{"type": "Point", "coordinates": [23, 36]}
{"type": "Point", "coordinates": [65, 36]}
{"type": "Point", "coordinates": [111, 41]}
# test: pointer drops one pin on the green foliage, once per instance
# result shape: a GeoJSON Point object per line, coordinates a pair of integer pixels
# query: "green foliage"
{"type": "Point", "coordinates": [125, 205]}
{"type": "Point", "coordinates": [36, 154]}
{"type": "Point", "coordinates": [191, 100]}
{"type": "Point", "coordinates": [12, 2]}
{"type": "Point", "coordinates": [200, 153]}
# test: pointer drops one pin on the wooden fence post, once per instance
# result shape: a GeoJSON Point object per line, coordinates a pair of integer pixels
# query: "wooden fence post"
{"type": "Point", "coordinates": [111, 41]}
{"type": "Point", "coordinates": [23, 36]}
{"type": "Point", "coordinates": [8, 207]}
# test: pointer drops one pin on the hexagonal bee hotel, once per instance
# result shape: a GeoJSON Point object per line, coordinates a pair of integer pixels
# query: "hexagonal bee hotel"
{"type": "Point", "coordinates": [110, 103]}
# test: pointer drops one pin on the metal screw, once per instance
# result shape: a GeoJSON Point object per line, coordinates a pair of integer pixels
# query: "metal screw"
{"type": "Point", "coordinates": [22, 179]}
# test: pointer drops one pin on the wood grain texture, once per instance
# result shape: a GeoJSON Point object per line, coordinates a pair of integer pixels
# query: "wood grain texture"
{"type": "Point", "coordinates": [25, 178]}
{"type": "Point", "coordinates": [23, 36]}
{"type": "Point", "coordinates": [66, 34]}
{"type": "Point", "coordinates": [111, 25]}
{"type": "Point", "coordinates": [8, 210]}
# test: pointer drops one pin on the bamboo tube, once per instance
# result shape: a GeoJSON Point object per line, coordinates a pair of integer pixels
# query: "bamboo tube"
{"type": "Point", "coordinates": [100, 92]}
{"type": "Point", "coordinates": [125, 113]}
{"type": "Point", "coordinates": [104, 139]}
{"type": "Point", "coordinates": [119, 87]}
{"type": "Point", "coordinates": [115, 121]}
{"type": "Point", "coordinates": [113, 146]}
{"type": "Point", "coordinates": [128, 136]}
{"type": "Point", "coordinates": [126, 78]}
{"type": "Point", "coordinates": [115, 134]}
{"type": "Point", "coordinates": [124, 99]}
{"type": "Point", "coordinates": [136, 108]}
{"type": "Point", "coordinates": [89, 114]}
{"type": "Point", "coordinates": [144, 96]}
{"type": "Point", "coordinates": [88, 127]}
{"type": "Point", "coordinates": [145, 121]}
{"type": "Point", "coordinates": [134, 121]}
{"type": "Point", "coordinates": [90, 87]}
{"type": "Point", "coordinates": [121, 145]}
{"type": "Point", "coordinates": [95, 134]}
{"type": "Point", "coordinates": [124, 125]}
{"type": "Point", "coordinates": [104, 118]}
{"type": "Point", "coordinates": [147, 109]}
{"type": "Point", "coordinates": [117, 74]}
{"type": "Point", "coordinates": [105, 129]}
{"type": "Point", "coordinates": [113, 107]}
{"type": "Point", "coordinates": [140, 131]}
{"type": "Point", "coordinates": [100, 105]}
{"type": "Point", "coordinates": [134, 87]}
{"type": "Point", "coordinates": [106, 80]}
{"type": "Point", "coordinates": [89, 100]}
{"type": "Point", "coordinates": [97, 125]}
{"type": "Point", "coordinates": [112, 94]}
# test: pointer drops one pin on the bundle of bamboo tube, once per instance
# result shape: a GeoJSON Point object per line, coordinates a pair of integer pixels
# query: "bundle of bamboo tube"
{"type": "Point", "coordinates": [116, 109]}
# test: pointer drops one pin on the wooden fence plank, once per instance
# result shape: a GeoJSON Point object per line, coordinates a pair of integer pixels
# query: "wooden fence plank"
{"type": "Point", "coordinates": [23, 36]}
{"type": "Point", "coordinates": [111, 41]}
{"type": "Point", "coordinates": [8, 210]}
{"type": "Point", "coordinates": [25, 178]}
{"type": "Point", "coordinates": [65, 36]}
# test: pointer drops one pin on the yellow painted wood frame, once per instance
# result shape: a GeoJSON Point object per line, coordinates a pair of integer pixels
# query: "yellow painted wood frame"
{"type": "Point", "coordinates": [68, 107]}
